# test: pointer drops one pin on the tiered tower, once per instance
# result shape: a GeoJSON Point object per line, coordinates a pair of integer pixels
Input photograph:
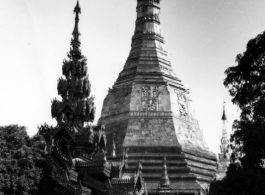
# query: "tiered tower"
{"type": "Point", "coordinates": [224, 156]}
{"type": "Point", "coordinates": [76, 150]}
{"type": "Point", "coordinates": [76, 110]}
{"type": "Point", "coordinates": [148, 111]}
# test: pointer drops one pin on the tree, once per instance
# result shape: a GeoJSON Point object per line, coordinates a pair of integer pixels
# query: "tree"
{"type": "Point", "coordinates": [21, 161]}
{"type": "Point", "coordinates": [246, 83]}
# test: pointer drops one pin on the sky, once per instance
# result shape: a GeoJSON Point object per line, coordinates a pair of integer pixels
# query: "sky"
{"type": "Point", "coordinates": [202, 38]}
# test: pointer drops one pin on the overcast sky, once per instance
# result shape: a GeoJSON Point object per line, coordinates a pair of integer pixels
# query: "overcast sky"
{"type": "Point", "coordinates": [202, 38]}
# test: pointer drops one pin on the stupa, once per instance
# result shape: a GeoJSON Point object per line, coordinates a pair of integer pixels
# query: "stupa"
{"type": "Point", "coordinates": [148, 111]}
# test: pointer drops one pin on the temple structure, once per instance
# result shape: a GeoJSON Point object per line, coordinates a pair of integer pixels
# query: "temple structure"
{"type": "Point", "coordinates": [76, 150]}
{"type": "Point", "coordinates": [223, 156]}
{"type": "Point", "coordinates": [148, 112]}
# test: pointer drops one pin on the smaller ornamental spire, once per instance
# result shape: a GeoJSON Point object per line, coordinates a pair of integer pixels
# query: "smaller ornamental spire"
{"type": "Point", "coordinates": [224, 115]}
{"type": "Point", "coordinates": [224, 140]}
{"type": "Point", "coordinates": [224, 155]}
{"type": "Point", "coordinates": [77, 7]}
{"type": "Point", "coordinates": [164, 180]}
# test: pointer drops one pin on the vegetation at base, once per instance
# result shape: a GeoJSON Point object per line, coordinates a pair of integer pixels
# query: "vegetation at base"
{"type": "Point", "coordinates": [21, 161]}
{"type": "Point", "coordinates": [246, 84]}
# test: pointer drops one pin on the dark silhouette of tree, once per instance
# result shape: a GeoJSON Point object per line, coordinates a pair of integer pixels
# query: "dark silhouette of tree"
{"type": "Point", "coordinates": [246, 83]}
{"type": "Point", "coordinates": [21, 161]}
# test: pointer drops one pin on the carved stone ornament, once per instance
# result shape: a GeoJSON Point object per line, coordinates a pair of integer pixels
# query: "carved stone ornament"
{"type": "Point", "coordinates": [149, 98]}
{"type": "Point", "coordinates": [183, 103]}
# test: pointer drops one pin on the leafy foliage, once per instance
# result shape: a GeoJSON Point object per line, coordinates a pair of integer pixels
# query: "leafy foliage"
{"type": "Point", "coordinates": [246, 83]}
{"type": "Point", "coordinates": [21, 161]}
{"type": "Point", "coordinates": [243, 182]}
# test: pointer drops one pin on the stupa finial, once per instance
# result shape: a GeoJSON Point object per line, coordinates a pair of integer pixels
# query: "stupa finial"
{"type": "Point", "coordinates": [224, 115]}
{"type": "Point", "coordinates": [77, 11]}
{"type": "Point", "coordinates": [75, 42]}
{"type": "Point", "coordinates": [77, 7]}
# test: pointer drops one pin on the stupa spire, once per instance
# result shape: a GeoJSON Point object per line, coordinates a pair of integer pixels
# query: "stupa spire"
{"type": "Point", "coordinates": [75, 42]}
{"type": "Point", "coordinates": [77, 11]}
{"type": "Point", "coordinates": [224, 132]}
{"type": "Point", "coordinates": [224, 156]}
{"type": "Point", "coordinates": [147, 49]}
{"type": "Point", "coordinates": [148, 18]}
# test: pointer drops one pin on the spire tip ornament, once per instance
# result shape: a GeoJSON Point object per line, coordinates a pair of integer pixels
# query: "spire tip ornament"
{"type": "Point", "coordinates": [224, 118]}
{"type": "Point", "coordinates": [77, 8]}
{"type": "Point", "coordinates": [75, 42]}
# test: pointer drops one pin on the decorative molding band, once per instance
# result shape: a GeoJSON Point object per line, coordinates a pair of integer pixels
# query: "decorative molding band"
{"type": "Point", "coordinates": [150, 36]}
{"type": "Point", "coordinates": [151, 114]}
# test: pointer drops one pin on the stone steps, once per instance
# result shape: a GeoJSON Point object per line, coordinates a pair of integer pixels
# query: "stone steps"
{"type": "Point", "coordinates": [178, 166]}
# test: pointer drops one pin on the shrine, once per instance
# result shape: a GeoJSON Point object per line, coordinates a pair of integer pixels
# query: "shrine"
{"type": "Point", "coordinates": [76, 150]}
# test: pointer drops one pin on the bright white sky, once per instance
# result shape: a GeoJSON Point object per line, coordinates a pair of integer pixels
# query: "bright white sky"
{"type": "Point", "coordinates": [202, 37]}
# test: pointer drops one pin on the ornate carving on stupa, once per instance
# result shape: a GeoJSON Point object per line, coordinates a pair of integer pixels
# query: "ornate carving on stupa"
{"type": "Point", "coordinates": [182, 103]}
{"type": "Point", "coordinates": [149, 98]}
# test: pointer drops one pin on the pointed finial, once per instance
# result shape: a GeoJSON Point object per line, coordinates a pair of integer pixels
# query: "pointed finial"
{"type": "Point", "coordinates": [75, 42]}
{"type": "Point", "coordinates": [224, 115]}
{"type": "Point", "coordinates": [164, 180]}
{"type": "Point", "coordinates": [77, 11]}
{"type": "Point", "coordinates": [77, 8]}
{"type": "Point", "coordinates": [113, 146]}
{"type": "Point", "coordinates": [165, 162]}
{"type": "Point", "coordinates": [139, 166]}
{"type": "Point", "coordinates": [126, 153]}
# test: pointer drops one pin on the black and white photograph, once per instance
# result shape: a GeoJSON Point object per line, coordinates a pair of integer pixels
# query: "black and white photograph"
{"type": "Point", "coordinates": [132, 97]}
